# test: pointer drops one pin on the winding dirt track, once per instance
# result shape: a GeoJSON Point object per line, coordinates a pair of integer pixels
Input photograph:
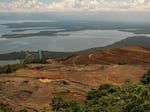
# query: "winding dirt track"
{"type": "Point", "coordinates": [91, 57]}
{"type": "Point", "coordinates": [33, 88]}
{"type": "Point", "coordinates": [129, 55]}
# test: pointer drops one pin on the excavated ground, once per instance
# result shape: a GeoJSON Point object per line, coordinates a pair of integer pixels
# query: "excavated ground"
{"type": "Point", "coordinates": [34, 87]}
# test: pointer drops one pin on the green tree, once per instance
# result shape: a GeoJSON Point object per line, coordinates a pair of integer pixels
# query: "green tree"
{"type": "Point", "coordinates": [146, 78]}
{"type": "Point", "coordinates": [110, 98]}
{"type": "Point", "coordinates": [57, 103]}
{"type": "Point", "coordinates": [8, 70]}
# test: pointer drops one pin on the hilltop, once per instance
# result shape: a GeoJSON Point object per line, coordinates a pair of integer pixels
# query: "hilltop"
{"type": "Point", "coordinates": [33, 87]}
{"type": "Point", "coordinates": [123, 55]}
{"type": "Point", "coordinates": [129, 41]}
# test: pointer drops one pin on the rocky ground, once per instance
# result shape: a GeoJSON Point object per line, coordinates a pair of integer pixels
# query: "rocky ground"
{"type": "Point", "coordinates": [34, 87]}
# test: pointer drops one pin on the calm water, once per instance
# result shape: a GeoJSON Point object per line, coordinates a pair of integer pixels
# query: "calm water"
{"type": "Point", "coordinates": [75, 41]}
{"type": "Point", "coordinates": [10, 62]}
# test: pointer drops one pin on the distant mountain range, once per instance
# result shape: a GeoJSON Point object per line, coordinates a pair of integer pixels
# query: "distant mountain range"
{"type": "Point", "coordinates": [142, 41]}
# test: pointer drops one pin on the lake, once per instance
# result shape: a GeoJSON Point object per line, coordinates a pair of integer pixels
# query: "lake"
{"type": "Point", "coordinates": [8, 62]}
{"type": "Point", "coordinates": [64, 41]}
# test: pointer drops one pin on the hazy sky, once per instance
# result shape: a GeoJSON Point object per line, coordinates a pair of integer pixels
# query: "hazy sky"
{"type": "Point", "coordinates": [109, 10]}
{"type": "Point", "coordinates": [73, 5]}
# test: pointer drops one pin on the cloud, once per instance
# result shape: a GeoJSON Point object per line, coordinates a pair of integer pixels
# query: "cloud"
{"type": "Point", "coordinates": [74, 5]}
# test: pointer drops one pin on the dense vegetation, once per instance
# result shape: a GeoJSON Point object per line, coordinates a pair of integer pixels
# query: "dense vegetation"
{"type": "Point", "coordinates": [11, 68]}
{"type": "Point", "coordinates": [13, 56]}
{"type": "Point", "coordinates": [36, 61]}
{"type": "Point", "coordinates": [110, 98]}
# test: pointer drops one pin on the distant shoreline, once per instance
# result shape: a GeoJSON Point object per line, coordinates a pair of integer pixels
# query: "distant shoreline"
{"type": "Point", "coordinates": [130, 41]}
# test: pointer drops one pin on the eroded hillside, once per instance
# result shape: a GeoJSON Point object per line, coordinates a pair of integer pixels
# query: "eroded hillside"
{"type": "Point", "coordinates": [34, 87]}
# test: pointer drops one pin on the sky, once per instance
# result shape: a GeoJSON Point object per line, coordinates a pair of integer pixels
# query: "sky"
{"type": "Point", "coordinates": [28, 6]}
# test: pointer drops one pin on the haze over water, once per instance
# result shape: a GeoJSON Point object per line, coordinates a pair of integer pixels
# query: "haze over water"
{"type": "Point", "coordinates": [64, 41]}
{"type": "Point", "coordinates": [69, 25]}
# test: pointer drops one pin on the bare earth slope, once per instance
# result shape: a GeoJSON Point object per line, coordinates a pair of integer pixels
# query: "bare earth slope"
{"type": "Point", "coordinates": [126, 55]}
{"type": "Point", "coordinates": [33, 88]}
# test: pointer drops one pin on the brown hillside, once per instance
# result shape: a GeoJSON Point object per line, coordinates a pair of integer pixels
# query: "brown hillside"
{"type": "Point", "coordinates": [34, 87]}
{"type": "Point", "coordinates": [124, 55]}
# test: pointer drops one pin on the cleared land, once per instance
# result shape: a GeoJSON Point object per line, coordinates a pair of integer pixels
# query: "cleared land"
{"type": "Point", "coordinates": [34, 87]}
